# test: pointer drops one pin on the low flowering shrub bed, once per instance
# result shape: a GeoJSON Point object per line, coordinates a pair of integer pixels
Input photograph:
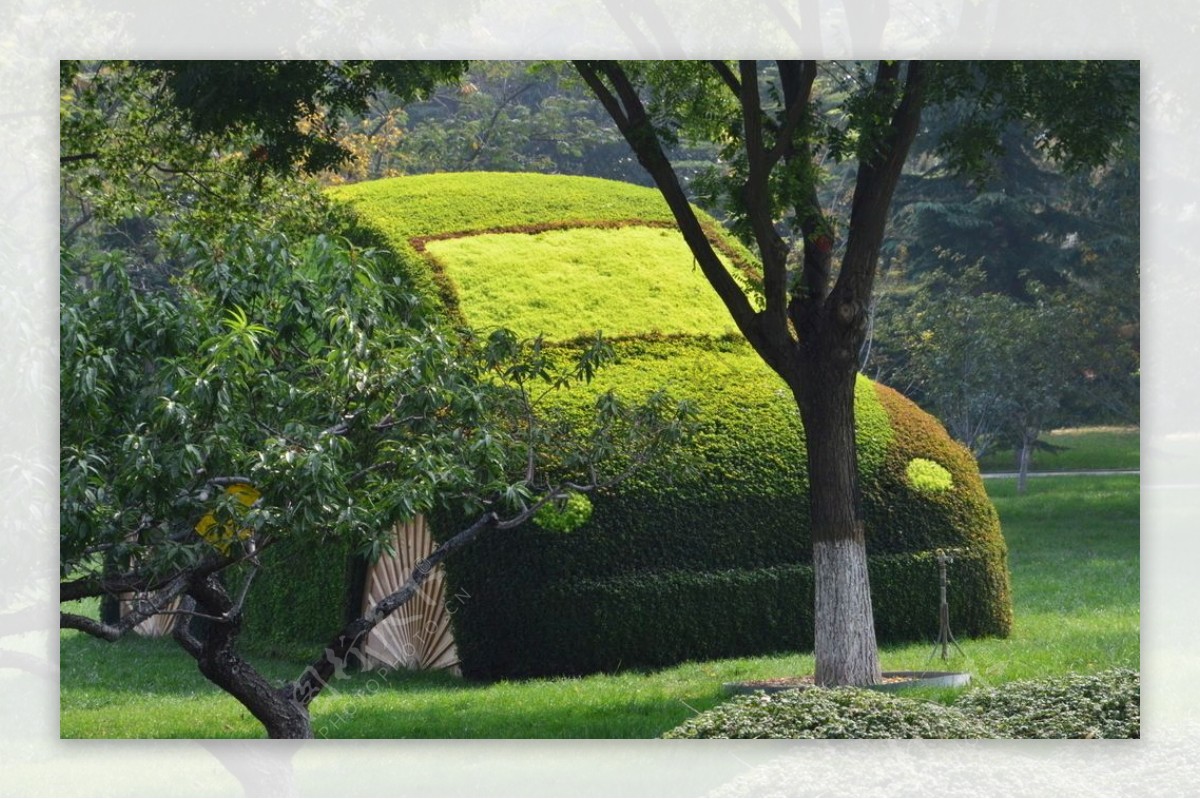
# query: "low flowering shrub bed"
{"type": "Point", "coordinates": [1104, 705]}
{"type": "Point", "coordinates": [830, 713]}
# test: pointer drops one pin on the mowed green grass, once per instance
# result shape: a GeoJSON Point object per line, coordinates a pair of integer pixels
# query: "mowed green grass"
{"type": "Point", "coordinates": [1073, 549]}
{"type": "Point", "coordinates": [567, 283]}
{"type": "Point", "coordinates": [1084, 448]}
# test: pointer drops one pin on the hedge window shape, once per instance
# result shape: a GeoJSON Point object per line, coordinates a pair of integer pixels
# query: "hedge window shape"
{"type": "Point", "coordinates": [928, 476]}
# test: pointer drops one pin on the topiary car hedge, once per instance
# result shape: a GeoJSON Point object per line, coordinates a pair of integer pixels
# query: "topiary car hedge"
{"type": "Point", "coordinates": [668, 568]}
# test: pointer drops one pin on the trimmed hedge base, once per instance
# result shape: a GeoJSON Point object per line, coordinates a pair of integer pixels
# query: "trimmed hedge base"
{"type": "Point", "coordinates": [1103, 705]}
{"type": "Point", "coordinates": [718, 564]}
{"type": "Point", "coordinates": [655, 619]}
{"type": "Point", "coordinates": [298, 613]}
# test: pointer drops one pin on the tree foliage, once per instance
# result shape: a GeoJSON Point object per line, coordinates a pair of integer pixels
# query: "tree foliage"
{"type": "Point", "coordinates": [231, 377]}
{"type": "Point", "coordinates": [985, 261]}
{"type": "Point", "coordinates": [264, 363]}
{"type": "Point", "coordinates": [287, 109]}
{"type": "Point", "coordinates": [995, 369]}
{"type": "Point", "coordinates": [154, 147]}
{"type": "Point", "coordinates": [511, 116]}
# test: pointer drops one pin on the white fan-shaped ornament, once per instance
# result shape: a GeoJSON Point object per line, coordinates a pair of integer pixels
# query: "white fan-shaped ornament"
{"type": "Point", "coordinates": [159, 624]}
{"type": "Point", "coordinates": [416, 636]}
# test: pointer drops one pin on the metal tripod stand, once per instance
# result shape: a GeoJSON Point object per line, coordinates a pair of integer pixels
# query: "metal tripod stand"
{"type": "Point", "coordinates": [945, 637]}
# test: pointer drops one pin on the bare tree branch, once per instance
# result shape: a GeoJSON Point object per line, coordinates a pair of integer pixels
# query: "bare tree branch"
{"type": "Point", "coordinates": [313, 680]}
{"type": "Point", "coordinates": [875, 184]}
{"type": "Point", "coordinates": [635, 125]}
{"type": "Point", "coordinates": [726, 74]}
{"type": "Point", "coordinates": [143, 607]}
{"type": "Point", "coordinates": [797, 80]}
{"type": "Point", "coordinates": [140, 580]}
{"type": "Point", "coordinates": [74, 157]}
{"type": "Point", "coordinates": [757, 199]}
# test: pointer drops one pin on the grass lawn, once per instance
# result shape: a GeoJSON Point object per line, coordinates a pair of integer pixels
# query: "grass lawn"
{"type": "Point", "coordinates": [1073, 548]}
{"type": "Point", "coordinates": [1085, 448]}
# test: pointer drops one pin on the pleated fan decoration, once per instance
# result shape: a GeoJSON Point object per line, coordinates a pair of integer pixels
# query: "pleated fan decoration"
{"type": "Point", "coordinates": [418, 635]}
{"type": "Point", "coordinates": [159, 624]}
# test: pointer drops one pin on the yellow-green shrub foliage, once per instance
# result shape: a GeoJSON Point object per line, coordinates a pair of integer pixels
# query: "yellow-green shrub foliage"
{"type": "Point", "coordinates": [671, 568]}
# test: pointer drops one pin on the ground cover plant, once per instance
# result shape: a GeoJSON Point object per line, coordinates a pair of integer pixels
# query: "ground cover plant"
{"type": "Point", "coordinates": [573, 274]}
{"type": "Point", "coordinates": [1074, 552]}
{"type": "Point", "coordinates": [829, 713]}
{"type": "Point", "coordinates": [1104, 705]}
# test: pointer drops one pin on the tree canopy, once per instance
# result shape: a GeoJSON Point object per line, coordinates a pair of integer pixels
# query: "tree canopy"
{"type": "Point", "coordinates": [234, 373]}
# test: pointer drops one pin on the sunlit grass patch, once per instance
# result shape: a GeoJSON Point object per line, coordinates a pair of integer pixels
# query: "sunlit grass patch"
{"type": "Point", "coordinates": [424, 205]}
{"type": "Point", "coordinates": [1083, 448]}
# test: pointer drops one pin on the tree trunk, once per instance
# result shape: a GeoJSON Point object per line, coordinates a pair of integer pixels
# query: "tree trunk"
{"type": "Point", "coordinates": [282, 716]}
{"type": "Point", "coordinates": [1023, 461]}
{"type": "Point", "coordinates": [813, 339]}
{"type": "Point", "coordinates": [283, 711]}
{"type": "Point", "coordinates": [218, 660]}
{"type": "Point", "coordinates": [844, 645]}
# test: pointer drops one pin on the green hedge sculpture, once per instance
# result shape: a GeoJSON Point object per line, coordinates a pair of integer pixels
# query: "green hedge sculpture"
{"type": "Point", "coordinates": [665, 569]}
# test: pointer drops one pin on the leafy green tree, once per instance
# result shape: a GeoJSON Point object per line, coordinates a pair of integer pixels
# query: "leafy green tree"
{"type": "Point", "coordinates": [1104, 288]}
{"type": "Point", "coordinates": [232, 380]}
{"type": "Point", "coordinates": [808, 323]}
{"type": "Point", "coordinates": [958, 341]}
{"type": "Point", "coordinates": [159, 147]}
{"type": "Point", "coordinates": [302, 373]}
{"type": "Point", "coordinates": [512, 116]}
{"type": "Point", "coordinates": [1010, 219]}
{"type": "Point", "coordinates": [1048, 364]}
{"type": "Point", "coordinates": [995, 369]}
{"type": "Point", "coordinates": [1024, 235]}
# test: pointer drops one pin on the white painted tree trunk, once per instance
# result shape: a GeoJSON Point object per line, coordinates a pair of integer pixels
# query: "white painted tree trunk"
{"type": "Point", "coordinates": [844, 646]}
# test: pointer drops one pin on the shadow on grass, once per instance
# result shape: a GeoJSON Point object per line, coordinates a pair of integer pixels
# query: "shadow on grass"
{"type": "Point", "coordinates": [158, 666]}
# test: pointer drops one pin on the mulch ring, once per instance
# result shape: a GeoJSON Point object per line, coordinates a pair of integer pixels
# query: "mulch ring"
{"type": "Point", "coordinates": [891, 681]}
